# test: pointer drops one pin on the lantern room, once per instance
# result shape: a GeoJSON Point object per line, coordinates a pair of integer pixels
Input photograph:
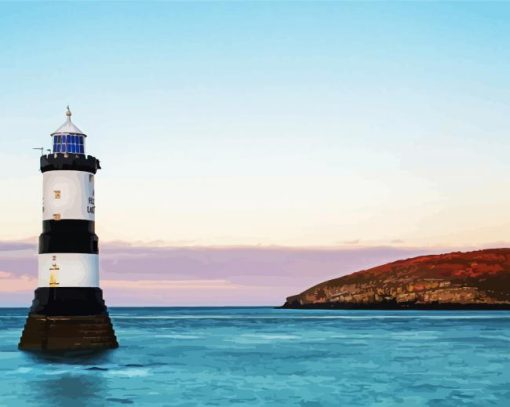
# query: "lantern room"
{"type": "Point", "coordinates": [68, 139]}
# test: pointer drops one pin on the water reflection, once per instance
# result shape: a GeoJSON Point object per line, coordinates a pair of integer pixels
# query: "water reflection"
{"type": "Point", "coordinates": [71, 379]}
{"type": "Point", "coordinates": [71, 357]}
{"type": "Point", "coordinates": [69, 389]}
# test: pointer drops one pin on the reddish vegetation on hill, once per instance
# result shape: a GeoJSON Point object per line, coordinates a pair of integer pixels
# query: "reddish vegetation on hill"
{"type": "Point", "coordinates": [479, 279]}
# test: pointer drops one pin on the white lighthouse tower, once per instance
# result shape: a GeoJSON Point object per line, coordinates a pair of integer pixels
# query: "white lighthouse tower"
{"type": "Point", "coordinates": [68, 311]}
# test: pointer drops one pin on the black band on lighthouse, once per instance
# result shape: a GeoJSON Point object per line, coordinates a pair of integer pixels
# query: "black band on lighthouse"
{"type": "Point", "coordinates": [68, 301]}
{"type": "Point", "coordinates": [68, 236]}
{"type": "Point", "coordinates": [76, 162]}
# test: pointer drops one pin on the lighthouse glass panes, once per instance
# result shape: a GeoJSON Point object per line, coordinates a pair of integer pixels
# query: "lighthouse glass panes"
{"type": "Point", "coordinates": [69, 143]}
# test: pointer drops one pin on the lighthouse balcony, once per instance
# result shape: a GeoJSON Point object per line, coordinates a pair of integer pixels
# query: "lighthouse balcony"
{"type": "Point", "coordinates": [65, 161]}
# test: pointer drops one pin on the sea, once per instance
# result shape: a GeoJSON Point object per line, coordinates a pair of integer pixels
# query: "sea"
{"type": "Point", "coordinates": [264, 356]}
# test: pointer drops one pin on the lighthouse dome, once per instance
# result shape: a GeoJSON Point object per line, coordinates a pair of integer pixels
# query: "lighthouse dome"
{"type": "Point", "coordinates": [68, 138]}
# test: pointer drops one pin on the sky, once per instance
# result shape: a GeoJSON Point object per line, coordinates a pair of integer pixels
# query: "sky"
{"type": "Point", "coordinates": [282, 128]}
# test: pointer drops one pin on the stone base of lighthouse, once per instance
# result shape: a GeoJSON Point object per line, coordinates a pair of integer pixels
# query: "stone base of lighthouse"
{"type": "Point", "coordinates": [68, 318]}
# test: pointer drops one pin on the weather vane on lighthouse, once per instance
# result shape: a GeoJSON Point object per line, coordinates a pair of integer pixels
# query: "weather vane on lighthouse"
{"type": "Point", "coordinates": [68, 311]}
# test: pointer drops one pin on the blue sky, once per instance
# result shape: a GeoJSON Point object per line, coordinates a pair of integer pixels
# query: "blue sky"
{"type": "Point", "coordinates": [267, 123]}
{"type": "Point", "coordinates": [252, 149]}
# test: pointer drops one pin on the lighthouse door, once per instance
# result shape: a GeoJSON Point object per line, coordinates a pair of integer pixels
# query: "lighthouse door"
{"type": "Point", "coordinates": [53, 273]}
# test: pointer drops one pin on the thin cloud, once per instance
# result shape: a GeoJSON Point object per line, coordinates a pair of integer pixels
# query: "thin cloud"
{"type": "Point", "coordinates": [169, 284]}
{"type": "Point", "coordinates": [13, 284]}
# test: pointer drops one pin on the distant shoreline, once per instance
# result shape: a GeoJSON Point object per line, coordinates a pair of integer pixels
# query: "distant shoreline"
{"type": "Point", "coordinates": [477, 280]}
{"type": "Point", "coordinates": [403, 307]}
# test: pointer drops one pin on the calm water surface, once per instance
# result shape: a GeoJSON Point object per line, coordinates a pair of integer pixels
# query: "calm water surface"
{"type": "Point", "coordinates": [270, 357]}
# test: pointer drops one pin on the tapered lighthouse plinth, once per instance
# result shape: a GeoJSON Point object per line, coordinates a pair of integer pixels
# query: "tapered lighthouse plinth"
{"type": "Point", "coordinates": [68, 311]}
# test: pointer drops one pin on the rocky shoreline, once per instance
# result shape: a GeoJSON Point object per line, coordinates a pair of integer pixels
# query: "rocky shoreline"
{"type": "Point", "coordinates": [400, 306]}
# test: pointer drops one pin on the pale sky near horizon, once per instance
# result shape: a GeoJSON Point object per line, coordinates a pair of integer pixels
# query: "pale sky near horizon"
{"type": "Point", "coordinates": [299, 124]}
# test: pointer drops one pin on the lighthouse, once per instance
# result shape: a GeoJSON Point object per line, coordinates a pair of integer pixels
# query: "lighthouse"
{"type": "Point", "coordinates": [68, 311]}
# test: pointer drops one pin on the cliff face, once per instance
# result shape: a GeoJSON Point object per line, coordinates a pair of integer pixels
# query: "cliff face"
{"type": "Point", "coordinates": [479, 279]}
